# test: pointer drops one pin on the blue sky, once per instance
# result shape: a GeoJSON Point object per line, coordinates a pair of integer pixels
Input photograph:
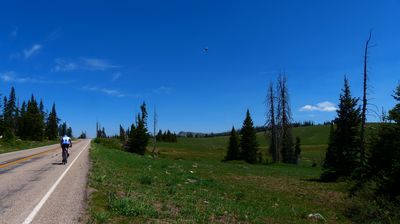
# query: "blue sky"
{"type": "Point", "coordinates": [98, 60]}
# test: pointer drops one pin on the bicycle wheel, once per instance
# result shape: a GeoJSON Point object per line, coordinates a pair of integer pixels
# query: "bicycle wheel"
{"type": "Point", "coordinates": [64, 156]}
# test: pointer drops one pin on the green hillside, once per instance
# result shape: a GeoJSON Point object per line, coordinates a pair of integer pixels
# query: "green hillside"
{"type": "Point", "coordinates": [314, 140]}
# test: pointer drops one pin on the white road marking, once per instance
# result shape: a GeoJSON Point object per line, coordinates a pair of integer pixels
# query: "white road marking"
{"type": "Point", "coordinates": [34, 212]}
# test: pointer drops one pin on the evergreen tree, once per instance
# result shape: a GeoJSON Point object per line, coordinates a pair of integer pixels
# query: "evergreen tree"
{"type": "Point", "coordinates": [383, 165]}
{"type": "Point", "coordinates": [1, 118]}
{"type": "Point", "coordinates": [41, 108]}
{"type": "Point", "coordinates": [159, 136]}
{"type": "Point", "coordinates": [248, 141]}
{"type": "Point", "coordinates": [69, 132]}
{"type": "Point", "coordinates": [122, 136]}
{"type": "Point", "coordinates": [52, 124]}
{"type": "Point", "coordinates": [62, 129]}
{"type": "Point", "coordinates": [21, 122]}
{"type": "Point", "coordinates": [394, 114]}
{"type": "Point", "coordinates": [331, 158]}
{"type": "Point", "coordinates": [9, 114]}
{"type": "Point", "coordinates": [233, 152]}
{"type": "Point", "coordinates": [34, 123]}
{"type": "Point", "coordinates": [103, 133]}
{"type": "Point", "coordinates": [83, 135]}
{"type": "Point", "coordinates": [342, 157]}
{"type": "Point", "coordinates": [138, 137]}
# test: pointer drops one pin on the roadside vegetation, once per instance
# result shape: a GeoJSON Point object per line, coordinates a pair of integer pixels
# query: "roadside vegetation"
{"type": "Point", "coordinates": [7, 146]}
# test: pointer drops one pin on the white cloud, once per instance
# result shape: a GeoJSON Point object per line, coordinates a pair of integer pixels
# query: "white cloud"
{"type": "Point", "coordinates": [116, 75]}
{"type": "Point", "coordinates": [13, 77]}
{"type": "Point", "coordinates": [32, 51]}
{"type": "Point", "coordinates": [110, 92]}
{"type": "Point", "coordinates": [325, 106]}
{"type": "Point", "coordinates": [91, 64]}
{"type": "Point", "coordinates": [163, 90]}
{"type": "Point", "coordinates": [97, 64]}
{"type": "Point", "coordinates": [63, 65]}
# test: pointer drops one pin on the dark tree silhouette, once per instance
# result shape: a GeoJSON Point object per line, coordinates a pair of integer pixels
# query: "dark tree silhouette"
{"type": "Point", "coordinates": [248, 141]}
{"type": "Point", "coordinates": [233, 152]}
{"type": "Point", "coordinates": [364, 103]}
{"type": "Point", "coordinates": [342, 157]}
{"type": "Point", "coordinates": [271, 124]}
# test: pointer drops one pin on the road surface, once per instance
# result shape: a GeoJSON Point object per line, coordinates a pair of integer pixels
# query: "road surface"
{"type": "Point", "coordinates": [36, 188]}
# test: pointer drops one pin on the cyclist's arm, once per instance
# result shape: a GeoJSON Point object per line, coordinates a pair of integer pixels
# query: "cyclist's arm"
{"type": "Point", "coordinates": [70, 143]}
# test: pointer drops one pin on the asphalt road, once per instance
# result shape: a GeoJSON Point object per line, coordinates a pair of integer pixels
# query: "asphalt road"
{"type": "Point", "coordinates": [36, 188]}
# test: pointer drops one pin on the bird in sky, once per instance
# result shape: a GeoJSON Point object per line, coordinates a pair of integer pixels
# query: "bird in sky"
{"type": "Point", "coordinates": [205, 49]}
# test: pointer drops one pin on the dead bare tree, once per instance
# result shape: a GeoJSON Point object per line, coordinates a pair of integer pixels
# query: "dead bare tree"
{"type": "Point", "coordinates": [271, 124]}
{"type": "Point", "coordinates": [154, 132]}
{"type": "Point", "coordinates": [364, 104]}
{"type": "Point", "coordinates": [284, 120]}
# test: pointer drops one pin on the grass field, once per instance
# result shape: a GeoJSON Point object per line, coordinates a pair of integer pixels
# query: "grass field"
{"type": "Point", "coordinates": [188, 183]}
{"type": "Point", "coordinates": [22, 144]}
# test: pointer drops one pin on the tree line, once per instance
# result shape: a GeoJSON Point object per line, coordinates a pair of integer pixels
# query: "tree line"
{"type": "Point", "coordinates": [166, 136]}
{"type": "Point", "coordinates": [30, 121]}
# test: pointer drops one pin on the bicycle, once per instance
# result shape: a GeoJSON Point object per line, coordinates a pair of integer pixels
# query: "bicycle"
{"type": "Point", "coordinates": [65, 154]}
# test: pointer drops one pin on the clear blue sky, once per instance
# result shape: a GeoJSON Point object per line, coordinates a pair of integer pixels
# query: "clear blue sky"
{"type": "Point", "coordinates": [99, 60]}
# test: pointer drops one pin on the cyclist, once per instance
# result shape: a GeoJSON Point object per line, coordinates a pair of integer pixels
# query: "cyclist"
{"type": "Point", "coordinates": [66, 143]}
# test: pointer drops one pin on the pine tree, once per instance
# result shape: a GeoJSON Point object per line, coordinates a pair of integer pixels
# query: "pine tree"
{"type": "Point", "coordinates": [233, 152]}
{"type": "Point", "coordinates": [331, 158]}
{"type": "Point", "coordinates": [122, 136]}
{"type": "Point", "coordinates": [384, 160]}
{"type": "Point", "coordinates": [343, 156]}
{"type": "Point", "coordinates": [159, 135]}
{"type": "Point", "coordinates": [138, 137]}
{"type": "Point", "coordinates": [1, 119]}
{"type": "Point", "coordinates": [10, 115]}
{"type": "Point", "coordinates": [69, 132]}
{"type": "Point", "coordinates": [41, 108]}
{"type": "Point", "coordinates": [52, 124]}
{"type": "Point", "coordinates": [83, 135]}
{"type": "Point", "coordinates": [22, 122]}
{"type": "Point", "coordinates": [62, 129]}
{"type": "Point", "coordinates": [34, 125]}
{"type": "Point", "coordinates": [394, 114]}
{"type": "Point", "coordinates": [248, 141]}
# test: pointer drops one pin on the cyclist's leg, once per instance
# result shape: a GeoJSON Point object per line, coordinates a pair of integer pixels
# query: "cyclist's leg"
{"type": "Point", "coordinates": [67, 150]}
{"type": "Point", "coordinates": [63, 153]}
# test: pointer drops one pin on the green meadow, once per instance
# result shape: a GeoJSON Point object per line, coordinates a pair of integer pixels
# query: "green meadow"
{"type": "Point", "coordinates": [188, 183]}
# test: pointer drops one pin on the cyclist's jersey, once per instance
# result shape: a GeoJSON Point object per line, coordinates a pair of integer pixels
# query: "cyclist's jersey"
{"type": "Point", "coordinates": [66, 141]}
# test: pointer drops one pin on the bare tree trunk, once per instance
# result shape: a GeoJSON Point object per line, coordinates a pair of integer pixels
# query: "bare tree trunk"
{"type": "Point", "coordinates": [364, 105]}
{"type": "Point", "coordinates": [271, 123]}
{"type": "Point", "coordinates": [154, 132]}
{"type": "Point", "coordinates": [284, 121]}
